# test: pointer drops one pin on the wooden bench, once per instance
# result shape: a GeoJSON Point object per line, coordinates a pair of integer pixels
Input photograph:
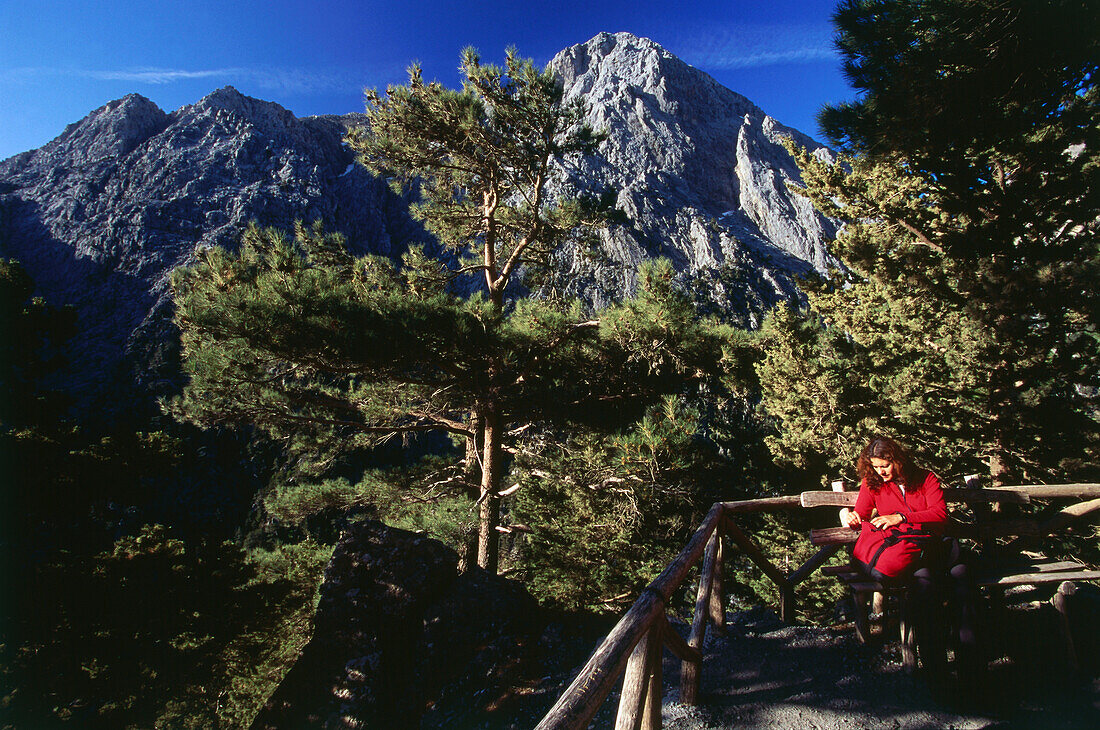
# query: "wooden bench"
{"type": "Point", "coordinates": [1002, 565]}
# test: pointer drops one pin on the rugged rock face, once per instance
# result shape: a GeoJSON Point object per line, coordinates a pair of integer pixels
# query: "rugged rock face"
{"type": "Point", "coordinates": [396, 625]}
{"type": "Point", "coordinates": [702, 174]}
{"type": "Point", "coordinates": [102, 214]}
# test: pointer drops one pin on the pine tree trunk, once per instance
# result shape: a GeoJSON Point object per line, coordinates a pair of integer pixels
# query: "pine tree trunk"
{"type": "Point", "coordinates": [471, 473]}
{"type": "Point", "coordinates": [998, 471]}
{"type": "Point", "coordinates": [998, 468]}
{"type": "Point", "coordinates": [489, 517]}
{"type": "Point", "coordinates": [1001, 401]}
{"type": "Point", "coordinates": [467, 556]}
{"type": "Point", "coordinates": [471, 469]}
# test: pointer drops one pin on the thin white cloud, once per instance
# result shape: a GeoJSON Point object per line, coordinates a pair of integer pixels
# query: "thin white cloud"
{"type": "Point", "coordinates": [766, 58]}
{"type": "Point", "coordinates": [297, 82]}
{"type": "Point", "coordinates": [752, 46]}
{"type": "Point", "coordinates": [159, 75]}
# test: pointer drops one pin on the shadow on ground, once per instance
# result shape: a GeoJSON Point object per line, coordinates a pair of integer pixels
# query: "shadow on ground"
{"type": "Point", "coordinates": [766, 675]}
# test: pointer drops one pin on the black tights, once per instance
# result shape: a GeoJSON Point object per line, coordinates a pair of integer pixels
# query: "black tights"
{"type": "Point", "coordinates": [927, 590]}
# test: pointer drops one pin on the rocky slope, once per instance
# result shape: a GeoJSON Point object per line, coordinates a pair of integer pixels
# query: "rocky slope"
{"type": "Point", "coordinates": [398, 627]}
{"type": "Point", "coordinates": [702, 174]}
{"type": "Point", "coordinates": [102, 214]}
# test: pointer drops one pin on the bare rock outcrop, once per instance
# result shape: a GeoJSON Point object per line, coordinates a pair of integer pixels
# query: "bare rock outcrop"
{"type": "Point", "coordinates": [101, 215]}
{"type": "Point", "coordinates": [702, 174]}
{"type": "Point", "coordinates": [396, 627]}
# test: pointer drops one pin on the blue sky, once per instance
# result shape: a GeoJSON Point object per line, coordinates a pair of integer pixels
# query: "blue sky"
{"type": "Point", "coordinates": [60, 60]}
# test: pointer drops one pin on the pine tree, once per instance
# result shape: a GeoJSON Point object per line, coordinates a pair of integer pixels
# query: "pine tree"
{"type": "Point", "coordinates": [61, 478]}
{"type": "Point", "coordinates": [607, 514]}
{"type": "Point", "coordinates": [31, 348]}
{"type": "Point", "coordinates": [300, 338]}
{"type": "Point", "coordinates": [967, 320]}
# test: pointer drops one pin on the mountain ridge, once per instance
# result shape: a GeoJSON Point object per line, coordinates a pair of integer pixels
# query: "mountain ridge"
{"type": "Point", "coordinates": [101, 215]}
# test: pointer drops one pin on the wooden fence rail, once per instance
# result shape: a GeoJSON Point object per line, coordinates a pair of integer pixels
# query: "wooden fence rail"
{"type": "Point", "coordinates": [633, 649]}
{"type": "Point", "coordinates": [634, 646]}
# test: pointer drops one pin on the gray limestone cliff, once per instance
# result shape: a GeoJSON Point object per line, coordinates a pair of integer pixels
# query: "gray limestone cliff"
{"type": "Point", "coordinates": [102, 214]}
{"type": "Point", "coordinates": [702, 174]}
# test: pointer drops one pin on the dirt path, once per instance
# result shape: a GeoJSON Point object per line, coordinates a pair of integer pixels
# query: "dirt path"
{"type": "Point", "coordinates": [765, 675]}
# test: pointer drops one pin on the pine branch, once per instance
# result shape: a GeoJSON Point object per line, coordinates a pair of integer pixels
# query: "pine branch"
{"type": "Point", "coordinates": [536, 227]}
{"type": "Point", "coordinates": [919, 234]}
{"type": "Point", "coordinates": [553, 345]}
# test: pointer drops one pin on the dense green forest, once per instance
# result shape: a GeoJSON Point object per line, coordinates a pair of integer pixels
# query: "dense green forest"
{"type": "Point", "coordinates": [459, 393]}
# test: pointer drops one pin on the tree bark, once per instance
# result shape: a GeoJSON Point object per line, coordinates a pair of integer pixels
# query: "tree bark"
{"type": "Point", "coordinates": [471, 473]}
{"type": "Point", "coordinates": [471, 469]}
{"type": "Point", "coordinates": [998, 471]}
{"type": "Point", "coordinates": [489, 515]}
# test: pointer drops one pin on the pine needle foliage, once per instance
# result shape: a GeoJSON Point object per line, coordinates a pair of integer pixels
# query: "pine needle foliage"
{"type": "Point", "coordinates": [607, 514]}
{"type": "Point", "coordinates": [483, 158]}
{"type": "Point", "coordinates": [150, 629]}
{"type": "Point", "coordinates": [32, 339]}
{"type": "Point", "coordinates": [157, 632]}
{"type": "Point", "coordinates": [966, 321]}
{"type": "Point", "coordinates": [430, 495]}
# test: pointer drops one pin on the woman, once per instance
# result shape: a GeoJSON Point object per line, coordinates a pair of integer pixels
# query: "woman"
{"type": "Point", "coordinates": [900, 511]}
{"type": "Point", "coordinates": [901, 515]}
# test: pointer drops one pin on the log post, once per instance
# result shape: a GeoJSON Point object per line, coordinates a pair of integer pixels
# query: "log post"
{"type": "Point", "coordinates": [1061, 601]}
{"type": "Point", "coordinates": [651, 717]}
{"type": "Point", "coordinates": [997, 611]}
{"type": "Point", "coordinates": [982, 512]}
{"type": "Point", "coordinates": [908, 639]}
{"type": "Point", "coordinates": [859, 616]}
{"type": "Point", "coordinates": [690, 670]}
{"type": "Point", "coordinates": [636, 685]}
{"type": "Point", "coordinates": [575, 708]}
{"type": "Point", "coordinates": [788, 606]}
{"type": "Point", "coordinates": [717, 612]}
{"type": "Point", "coordinates": [594, 682]}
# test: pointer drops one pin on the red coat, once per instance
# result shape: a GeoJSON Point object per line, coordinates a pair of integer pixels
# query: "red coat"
{"type": "Point", "coordinates": [897, 550]}
{"type": "Point", "coordinates": [923, 507]}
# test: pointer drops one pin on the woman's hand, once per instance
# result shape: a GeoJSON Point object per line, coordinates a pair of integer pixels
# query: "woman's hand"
{"type": "Point", "coordinates": [883, 521]}
{"type": "Point", "coordinates": [852, 519]}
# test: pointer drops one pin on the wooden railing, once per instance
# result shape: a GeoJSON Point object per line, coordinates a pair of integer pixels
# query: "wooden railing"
{"type": "Point", "coordinates": [634, 646]}
{"type": "Point", "coordinates": [633, 649]}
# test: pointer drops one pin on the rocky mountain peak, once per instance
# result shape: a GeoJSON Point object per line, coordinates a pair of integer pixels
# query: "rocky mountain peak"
{"type": "Point", "coordinates": [101, 215]}
{"type": "Point", "coordinates": [228, 98]}
{"type": "Point", "coordinates": [235, 111]}
{"type": "Point", "coordinates": [113, 130]}
{"type": "Point", "coordinates": [703, 167]}
{"type": "Point", "coordinates": [608, 61]}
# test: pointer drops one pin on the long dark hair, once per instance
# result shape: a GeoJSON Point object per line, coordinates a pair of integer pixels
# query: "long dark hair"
{"type": "Point", "coordinates": [883, 447]}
